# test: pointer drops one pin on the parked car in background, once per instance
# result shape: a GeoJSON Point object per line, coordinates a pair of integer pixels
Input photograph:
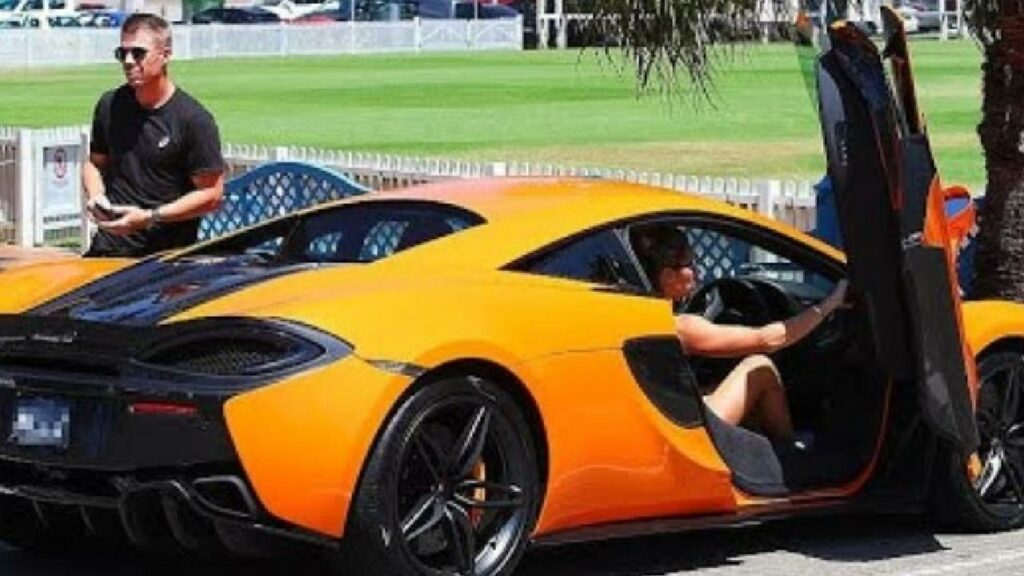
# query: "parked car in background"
{"type": "Point", "coordinates": [465, 10]}
{"type": "Point", "coordinates": [361, 11]}
{"type": "Point", "coordinates": [36, 21]}
{"type": "Point", "coordinates": [288, 10]}
{"type": "Point", "coordinates": [321, 17]}
{"type": "Point", "coordinates": [925, 14]}
{"type": "Point", "coordinates": [910, 16]}
{"type": "Point", "coordinates": [102, 18]}
{"type": "Point", "coordinates": [384, 10]}
{"type": "Point", "coordinates": [28, 12]}
{"type": "Point", "coordinates": [242, 15]}
{"type": "Point", "coordinates": [60, 21]}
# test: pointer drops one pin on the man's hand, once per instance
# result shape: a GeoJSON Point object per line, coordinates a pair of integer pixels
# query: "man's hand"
{"type": "Point", "coordinates": [99, 209]}
{"type": "Point", "coordinates": [127, 219]}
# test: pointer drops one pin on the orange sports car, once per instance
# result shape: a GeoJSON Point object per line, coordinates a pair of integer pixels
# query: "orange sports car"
{"type": "Point", "coordinates": [427, 381]}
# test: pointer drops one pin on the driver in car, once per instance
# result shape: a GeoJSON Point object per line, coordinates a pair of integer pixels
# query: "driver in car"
{"type": "Point", "coordinates": [751, 394]}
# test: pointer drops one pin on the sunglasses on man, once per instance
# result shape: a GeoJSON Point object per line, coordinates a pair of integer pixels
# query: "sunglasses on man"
{"type": "Point", "coordinates": [138, 53]}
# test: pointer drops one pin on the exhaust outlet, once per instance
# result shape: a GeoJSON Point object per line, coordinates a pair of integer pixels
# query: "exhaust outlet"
{"type": "Point", "coordinates": [227, 495]}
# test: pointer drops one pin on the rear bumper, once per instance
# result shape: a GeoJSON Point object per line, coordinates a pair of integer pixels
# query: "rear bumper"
{"type": "Point", "coordinates": [107, 435]}
{"type": "Point", "coordinates": [197, 510]}
{"type": "Point", "coordinates": [162, 479]}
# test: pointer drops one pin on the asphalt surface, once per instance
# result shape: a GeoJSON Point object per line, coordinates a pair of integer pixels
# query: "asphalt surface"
{"type": "Point", "coordinates": [815, 547]}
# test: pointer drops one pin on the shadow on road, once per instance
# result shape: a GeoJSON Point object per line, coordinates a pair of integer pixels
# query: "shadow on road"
{"type": "Point", "coordinates": [841, 540]}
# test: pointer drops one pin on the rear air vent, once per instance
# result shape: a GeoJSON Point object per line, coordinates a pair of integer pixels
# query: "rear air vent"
{"type": "Point", "coordinates": [222, 357]}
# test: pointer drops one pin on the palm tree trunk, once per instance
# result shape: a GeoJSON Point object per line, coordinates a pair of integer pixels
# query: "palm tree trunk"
{"type": "Point", "coordinates": [1000, 257]}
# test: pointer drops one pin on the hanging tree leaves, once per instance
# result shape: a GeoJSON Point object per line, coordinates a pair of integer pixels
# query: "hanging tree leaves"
{"type": "Point", "coordinates": [675, 45]}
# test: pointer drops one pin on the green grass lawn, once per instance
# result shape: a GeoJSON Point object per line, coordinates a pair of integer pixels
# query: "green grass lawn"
{"type": "Point", "coordinates": [559, 107]}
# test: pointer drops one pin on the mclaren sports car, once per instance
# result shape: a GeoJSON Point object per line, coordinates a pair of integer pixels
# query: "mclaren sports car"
{"type": "Point", "coordinates": [427, 381]}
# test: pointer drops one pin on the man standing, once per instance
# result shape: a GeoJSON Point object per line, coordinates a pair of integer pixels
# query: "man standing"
{"type": "Point", "coordinates": [155, 165]}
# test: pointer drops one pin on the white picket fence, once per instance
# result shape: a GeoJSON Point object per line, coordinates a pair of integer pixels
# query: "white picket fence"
{"type": "Point", "coordinates": [30, 48]}
{"type": "Point", "coordinates": [789, 201]}
{"type": "Point", "coordinates": [8, 184]}
{"type": "Point", "coordinates": [30, 216]}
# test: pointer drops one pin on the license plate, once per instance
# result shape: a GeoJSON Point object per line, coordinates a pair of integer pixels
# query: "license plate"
{"type": "Point", "coordinates": [41, 422]}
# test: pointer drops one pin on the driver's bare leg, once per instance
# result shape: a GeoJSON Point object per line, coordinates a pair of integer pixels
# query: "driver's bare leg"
{"type": "Point", "coordinates": [752, 394]}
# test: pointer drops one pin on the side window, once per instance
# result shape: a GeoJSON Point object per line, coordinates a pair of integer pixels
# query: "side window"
{"type": "Point", "coordinates": [722, 255]}
{"type": "Point", "coordinates": [599, 258]}
{"type": "Point", "coordinates": [719, 252]}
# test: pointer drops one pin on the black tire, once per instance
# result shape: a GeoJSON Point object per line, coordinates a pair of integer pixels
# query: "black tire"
{"type": "Point", "coordinates": [451, 487]}
{"type": "Point", "coordinates": [992, 499]}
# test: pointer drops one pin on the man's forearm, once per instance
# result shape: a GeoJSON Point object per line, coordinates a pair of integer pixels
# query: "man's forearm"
{"type": "Point", "coordinates": [193, 205]}
{"type": "Point", "coordinates": [92, 181]}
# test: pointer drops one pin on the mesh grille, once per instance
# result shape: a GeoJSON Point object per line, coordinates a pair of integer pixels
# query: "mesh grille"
{"type": "Point", "coordinates": [221, 358]}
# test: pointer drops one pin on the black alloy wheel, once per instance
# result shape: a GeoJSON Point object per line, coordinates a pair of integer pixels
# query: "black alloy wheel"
{"type": "Point", "coordinates": [988, 494]}
{"type": "Point", "coordinates": [1000, 484]}
{"type": "Point", "coordinates": [451, 488]}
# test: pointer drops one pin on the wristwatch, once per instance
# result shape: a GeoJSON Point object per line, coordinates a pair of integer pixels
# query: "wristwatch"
{"type": "Point", "coordinates": [155, 217]}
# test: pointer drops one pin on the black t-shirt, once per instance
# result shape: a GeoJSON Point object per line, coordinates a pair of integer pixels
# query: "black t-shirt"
{"type": "Point", "coordinates": [152, 157]}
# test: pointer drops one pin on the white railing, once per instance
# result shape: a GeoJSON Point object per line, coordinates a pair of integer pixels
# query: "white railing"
{"type": "Point", "coordinates": [32, 48]}
{"type": "Point", "coordinates": [790, 201]}
{"type": "Point", "coordinates": [40, 185]}
{"type": "Point", "coordinates": [38, 207]}
{"type": "Point", "coordinates": [8, 185]}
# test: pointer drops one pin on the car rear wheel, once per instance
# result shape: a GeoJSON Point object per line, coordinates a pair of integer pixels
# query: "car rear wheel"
{"type": "Point", "coordinates": [986, 493]}
{"type": "Point", "coordinates": [451, 487]}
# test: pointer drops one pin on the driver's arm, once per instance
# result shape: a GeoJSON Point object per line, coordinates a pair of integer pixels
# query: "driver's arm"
{"type": "Point", "coordinates": [702, 337]}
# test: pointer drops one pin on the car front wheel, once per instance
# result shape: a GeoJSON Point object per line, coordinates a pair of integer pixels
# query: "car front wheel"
{"type": "Point", "coordinates": [452, 486]}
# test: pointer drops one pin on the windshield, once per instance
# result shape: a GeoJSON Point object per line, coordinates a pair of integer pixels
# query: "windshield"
{"type": "Point", "coordinates": [9, 4]}
{"type": "Point", "coordinates": [358, 233]}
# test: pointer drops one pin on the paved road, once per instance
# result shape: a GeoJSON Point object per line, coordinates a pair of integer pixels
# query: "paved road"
{"type": "Point", "coordinates": [820, 547]}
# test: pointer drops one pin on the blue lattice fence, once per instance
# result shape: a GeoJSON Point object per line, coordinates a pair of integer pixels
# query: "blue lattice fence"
{"type": "Point", "coordinates": [718, 255]}
{"type": "Point", "coordinates": [273, 190]}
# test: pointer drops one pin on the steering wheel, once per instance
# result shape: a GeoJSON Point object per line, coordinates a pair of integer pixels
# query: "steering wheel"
{"type": "Point", "coordinates": [740, 301]}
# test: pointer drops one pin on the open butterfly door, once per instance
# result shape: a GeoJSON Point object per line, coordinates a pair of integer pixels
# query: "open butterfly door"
{"type": "Point", "coordinates": [891, 209]}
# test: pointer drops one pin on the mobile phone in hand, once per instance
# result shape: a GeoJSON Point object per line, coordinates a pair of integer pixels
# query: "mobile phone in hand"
{"type": "Point", "coordinates": [104, 210]}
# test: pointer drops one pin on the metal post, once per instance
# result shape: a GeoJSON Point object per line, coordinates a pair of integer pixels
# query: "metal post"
{"type": "Point", "coordinates": [960, 27]}
{"type": "Point", "coordinates": [38, 190]}
{"type": "Point", "coordinates": [24, 209]}
{"type": "Point", "coordinates": [88, 227]}
{"type": "Point", "coordinates": [943, 21]}
{"type": "Point", "coordinates": [542, 25]}
{"type": "Point", "coordinates": [417, 26]}
{"type": "Point", "coordinates": [561, 25]}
